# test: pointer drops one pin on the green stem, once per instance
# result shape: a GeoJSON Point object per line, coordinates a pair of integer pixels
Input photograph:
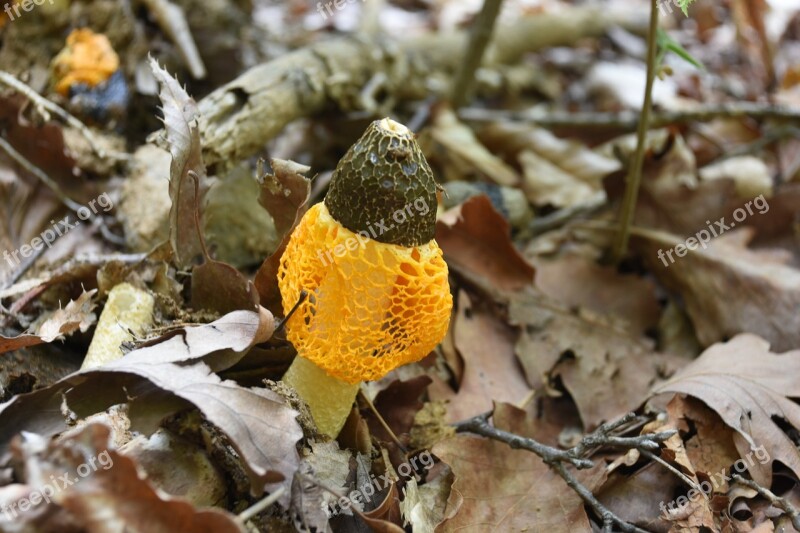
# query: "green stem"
{"type": "Point", "coordinates": [329, 399]}
{"type": "Point", "coordinates": [478, 40]}
{"type": "Point", "coordinates": [634, 177]}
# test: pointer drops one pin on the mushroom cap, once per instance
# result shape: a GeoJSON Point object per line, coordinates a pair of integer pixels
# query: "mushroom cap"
{"type": "Point", "coordinates": [371, 306]}
{"type": "Point", "coordinates": [385, 173]}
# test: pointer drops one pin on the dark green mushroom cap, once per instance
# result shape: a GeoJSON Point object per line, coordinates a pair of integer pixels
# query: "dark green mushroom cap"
{"type": "Point", "coordinates": [383, 185]}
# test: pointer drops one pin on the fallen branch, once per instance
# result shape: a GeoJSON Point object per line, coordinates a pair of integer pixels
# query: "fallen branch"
{"type": "Point", "coordinates": [556, 458]}
{"type": "Point", "coordinates": [629, 120]}
{"type": "Point", "coordinates": [238, 118]}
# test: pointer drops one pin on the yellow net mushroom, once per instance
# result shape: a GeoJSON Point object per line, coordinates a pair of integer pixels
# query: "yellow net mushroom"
{"type": "Point", "coordinates": [378, 293]}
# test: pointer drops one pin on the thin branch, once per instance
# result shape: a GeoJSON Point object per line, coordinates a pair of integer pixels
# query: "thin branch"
{"type": "Point", "coordinates": [380, 418]}
{"type": "Point", "coordinates": [608, 516]}
{"type": "Point", "coordinates": [43, 105]}
{"type": "Point", "coordinates": [629, 120]}
{"type": "Point", "coordinates": [556, 458]}
{"type": "Point", "coordinates": [634, 177]}
{"type": "Point", "coordinates": [478, 41]}
{"type": "Point", "coordinates": [480, 426]}
{"type": "Point", "coordinates": [774, 499]}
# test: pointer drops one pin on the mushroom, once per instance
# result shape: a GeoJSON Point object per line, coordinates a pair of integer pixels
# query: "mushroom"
{"type": "Point", "coordinates": [378, 293]}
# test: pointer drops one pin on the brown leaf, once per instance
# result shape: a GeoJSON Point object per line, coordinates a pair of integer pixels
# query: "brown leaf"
{"type": "Point", "coordinates": [187, 182]}
{"type": "Point", "coordinates": [220, 344]}
{"type": "Point", "coordinates": [76, 315]}
{"type": "Point", "coordinates": [575, 281]}
{"type": "Point", "coordinates": [749, 387]}
{"type": "Point", "coordinates": [398, 404]}
{"type": "Point", "coordinates": [729, 289]}
{"type": "Point", "coordinates": [491, 372]}
{"type": "Point", "coordinates": [219, 287]}
{"type": "Point", "coordinates": [557, 172]}
{"type": "Point", "coordinates": [476, 241]}
{"type": "Point", "coordinates": [110, 496]}
{"type": "Point", "coordinates": [606, 370]}
{"type": "Point", "coordinates": [285, 195]}
{"type": "Point", "coordinates": [503, 489]}
{"type": "Point", "coordinates": [262, 430]}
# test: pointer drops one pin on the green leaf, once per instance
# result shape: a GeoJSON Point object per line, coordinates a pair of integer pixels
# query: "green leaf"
{"type": "Point", "coordinates": [667, 43]}
{"type": "Point", "coordinates": [684, 5]}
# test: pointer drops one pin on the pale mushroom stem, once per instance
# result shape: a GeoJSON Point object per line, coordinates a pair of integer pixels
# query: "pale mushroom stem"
{"type": "Point", "coordinates": [329, 399]}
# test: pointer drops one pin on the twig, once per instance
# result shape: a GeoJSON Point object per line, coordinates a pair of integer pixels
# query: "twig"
{"type": "Point", "coordinates": [381, 420]}
{"type": "Point", "coordinates": [609, 518]}
{"type": "Point", "coordinates": [39, 173]}
{"type": "Point", "coordinates": [43, 105]}
{"type": "Point", "coordinates": [774, 499]}
{"type": "Point", "coordinates": [479, 38]}
{"type": "Point", "coordinates": [635, 172]}
{"type": "Point", "coordinates": [259, 507]}
{"type": "Point", "coordinates": [680, 475]}
{"type": "Point", "coordinates": [556, 458]}
{"type": "Point", "coordinates": [629, 120]}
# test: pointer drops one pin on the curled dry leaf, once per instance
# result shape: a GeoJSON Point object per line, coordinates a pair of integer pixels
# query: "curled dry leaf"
{"type": "Point", "coordinates": [112, 497]}
{"type": "Point", "coordinates": [557, 172]}
{"type": "Point", "coordinates": [476, 241]}
{"type": "Point", "coordinates": [220, 344]}
{"type": "Point", "coordinates": [187, 173]}
{"type": "Point", "coordinates": [77, 315]}
{"type": "Point", "coordinates": [750, 388]}
{"type": "Point", "coordinates": [260, 427]}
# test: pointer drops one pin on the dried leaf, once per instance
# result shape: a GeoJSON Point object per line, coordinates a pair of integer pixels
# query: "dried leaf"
{"type": "Point", "coordinates": [187, 182]}
{"type": "Point", "coordinates": [453, 146]}
{"type": "Point", "coordinates": [110, 498]}
{"type": "Point", "coordinates": [285, 195]}
{"type": "Point", "coordinates": [219, 287]}
{"type": "Point", "coordinates": [506, 489]}
{"type": "Point", "coordinates": [77, 315]}
{"type": "Point", "coordinates": [729, 289]}
{"type": "Point", "coordinates": [606, 370]}
{"type": "Point", "coordinates": [749, 387]}
{"type": "Point", "coordinates": [491, 372]}
{"type": "Point", "coordinates": [476, 241]}
{"type": "Point", "coordinates": [261, 428]}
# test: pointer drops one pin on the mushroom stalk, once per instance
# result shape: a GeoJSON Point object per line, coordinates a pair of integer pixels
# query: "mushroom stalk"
{"type": "Point", "coordinates": [329, 399]}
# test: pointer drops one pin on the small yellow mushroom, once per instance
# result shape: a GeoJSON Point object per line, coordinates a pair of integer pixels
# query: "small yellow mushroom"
{"type": "Point", "coordinates": [87, 59]}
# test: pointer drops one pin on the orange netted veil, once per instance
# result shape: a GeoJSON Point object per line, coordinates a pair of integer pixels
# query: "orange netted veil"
{"type": "Point", "coordinates": [371, 306]}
